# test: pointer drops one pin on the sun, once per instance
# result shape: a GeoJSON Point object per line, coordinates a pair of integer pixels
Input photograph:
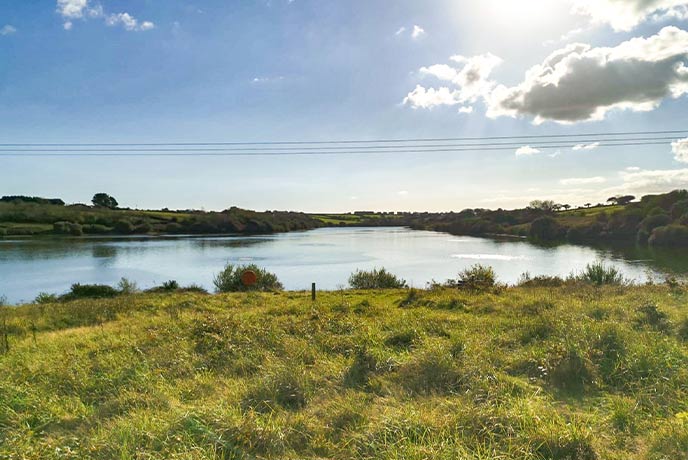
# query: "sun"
{"type": "Point", "coordinates": [521, 14]}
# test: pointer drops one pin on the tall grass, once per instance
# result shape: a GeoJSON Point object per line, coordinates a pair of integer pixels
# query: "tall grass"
{"type": "Point", "coordinates": [532, 373]}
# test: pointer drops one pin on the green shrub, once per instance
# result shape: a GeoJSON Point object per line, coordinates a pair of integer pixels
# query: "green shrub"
{"type": "Point", "coordinates": [375, 279]}
{"type": "Point", "coordinates": [477, 278]}
{"type": "Point", "coordinates": [124, 227]}
{"type": "Point", "coordinates": [127, 287]}
{"type": "Point", "coordinates": [670, 235]}
{"type": "Point", "coordinates": [90, 291]}
{"type": "Point", "coordinates": [68, 228]}
{"type": "Point", "coordinates": [229, 279]}
{"type": "Point", "coordinates": [44, 297]}
{"type": "Point", "coordinates": [599, 274]}
{"type": "Point", "coordinates": [544, 229]}
{"type": "Point", "coordinates": [96, 229]}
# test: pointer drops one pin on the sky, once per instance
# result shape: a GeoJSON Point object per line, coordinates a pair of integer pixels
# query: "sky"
{"type": "Point", "coordinates": [136, 71]}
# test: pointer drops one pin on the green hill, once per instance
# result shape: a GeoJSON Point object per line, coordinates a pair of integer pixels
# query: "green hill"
{"type": "Point", "coordinates": [574, 372]}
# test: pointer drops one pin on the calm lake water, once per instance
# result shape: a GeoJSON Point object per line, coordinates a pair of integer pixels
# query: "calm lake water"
{"type": "Point", "coordinates": [324, 256]}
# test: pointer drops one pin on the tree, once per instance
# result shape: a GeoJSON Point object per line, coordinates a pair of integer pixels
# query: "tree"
{"type": "Point", "coordinates": [542, 205]}
{"type": "Point", "coordinates": [566, 206]}
{"type": "Point", "coordinates": [104, 200]}
{"type": "Point", "coordinates": [587, 205]}
{"type": "Point", "coordinates": [621, 199]}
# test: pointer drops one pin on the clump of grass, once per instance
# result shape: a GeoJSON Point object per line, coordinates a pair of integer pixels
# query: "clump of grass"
{"type": "Point", "coordinates": [569, 369]}
{"type": "Point", "coordinates": [375, 279]}
{"type": "Point", "coordinates": [229, 279]}
{"type": "Point", "coordinates": [526, 280]}
{"type": "Point", "coordinates": [650, 315]}
{"type": "Point", "coordinates": [600, 274]}
{"type": "Point", "coordinates": [284, 387]}
{"type": "Point", "coordinates": [476, 278]}
{"type": "Point", "coordinates": [434, 369]}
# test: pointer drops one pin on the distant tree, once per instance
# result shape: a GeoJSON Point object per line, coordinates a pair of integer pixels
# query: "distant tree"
{"type": "Point", "coordinates": [104, 200]}
{"type": "Point", "coordinates": [621, 199]}
{"type": "Point", "coordinates": [543, 205]}
{"type": "Point", "coordinates": [587, 205]}
{"type": "Point", "coordinates": [566, 206]}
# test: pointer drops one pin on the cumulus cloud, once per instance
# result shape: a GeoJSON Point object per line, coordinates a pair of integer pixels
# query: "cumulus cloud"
{"type": "Point", "coordinates": [526, 150]}
{"type": "Point", "coordinates": [680, 150]}
{"type": "Point", "coordinates": [623, 15]}
{"type": "Point", "coordinates": [583, 180]}
{"type": "Point", "coordinates": [400, 30]}
{"type": "Point", "coordinates": [466, 109]}
{"type": "Point", "coordinates": [427, 98]}
{"type": "Point", "coordinates": [582, 83]}
{"type": "Point", "coordinates": [128, 22]}
{"type": "Point", "coordinates": [71, 10]}
{"type": "Point", "coordinates": [469, 76]}
{"type": "Point", "coordinates": [592, 146]}
{"type": "Point", "coordinates": [7, 30]}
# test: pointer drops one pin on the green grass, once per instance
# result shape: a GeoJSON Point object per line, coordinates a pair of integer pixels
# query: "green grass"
{"type": "Point", "coordinates": [575, 372]}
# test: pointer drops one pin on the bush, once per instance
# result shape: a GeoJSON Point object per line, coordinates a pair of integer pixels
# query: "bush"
{"type": "Point", "coordinates": [653, 221]}
{"type": "Point", "coordinates": [679, 208]}
{"type": "Point", "coordinates": [96, 229]}
{"type": "Point", "coordinates": [127, 287]}
{"type": "Point", "coordinates": [599, 274]}
{"type": "Point", "coordinates": [90, 291]}
{"type": "Point", "coordinates": [477, 278]}
{"type": "Point", "coordinates": [68, 228]}
{"type": "Point", "coordinates": [375, 279]}
{"type": "Point", "coordinates": [124, 227]}
{"type": "Point", "coordinates": [544, 229]}
{"type": "Point", "coordinates": [229, 279]}
{"type": "Point", "coordinates": [44, 297]}
{"type": "Point", "coordinates": [650, 315]}
{"type": "Point", "coordinates": [670, 235]}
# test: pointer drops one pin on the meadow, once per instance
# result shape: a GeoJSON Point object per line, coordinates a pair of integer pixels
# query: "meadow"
{"type": "Point", "coordinates": [575, 371]}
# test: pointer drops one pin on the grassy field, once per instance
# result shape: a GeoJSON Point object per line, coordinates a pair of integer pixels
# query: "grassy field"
{"type": "Point", "coordinates": [574, 372]}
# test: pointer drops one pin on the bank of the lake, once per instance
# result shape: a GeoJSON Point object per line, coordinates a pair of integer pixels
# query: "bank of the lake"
{"type": "Point", "coordinates": [576, 372]}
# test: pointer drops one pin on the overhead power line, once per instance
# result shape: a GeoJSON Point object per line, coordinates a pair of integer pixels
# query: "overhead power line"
{"type": "Point", "coordinates": [185, 152]}
{"type": "Point", "coordinates": [358, 141]}
{"type": "Point", "coordinates": [325, 148]}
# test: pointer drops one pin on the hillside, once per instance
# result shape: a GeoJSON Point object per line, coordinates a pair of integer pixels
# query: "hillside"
{"type": "Point", "coordinates": [656, 220]}
{"type": "Point", "coordinates": [22, 216]}
{"type": "Point", "coordinates": [572, 372]}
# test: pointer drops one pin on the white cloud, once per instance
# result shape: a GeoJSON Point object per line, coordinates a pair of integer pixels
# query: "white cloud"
{"type": "Point", "coordinates": [466, 109]}
{"type": "Point", "coordinates": [583, 180]}
{"type": "Point", "coordinates": [680, 150]}
{"type": "Point", "coordinates": [470, 76]}
{"type": "Point", "coordinates": [526, 150]}
{"type": "Point", "coordinates": [128, 22]}
{"type": "Point", "coordinates": [400, 31]}
{"type": "Point", "coordinates": [402, 193]}
{"type": "Point", "coordinates": [626, 14]}
{"type": "Point", "coordinates": [582, 83]}
{"type": "Point", "coordinates": [72, 8]}
{"type": "Point", "coordinates": [422, 98]}
{"type": "Point", "coordinates": [8, 30]}
{"type": "Point", "coordinates": [84, 9]}
{"type": "Point", "coordinates": [592, 146]}
{"type": "Point", "coordinates": [632, 168]}
{"type": "Point", "coordinates": [417, 32]}
{"type": "Point", "coordinates": [650, 181]}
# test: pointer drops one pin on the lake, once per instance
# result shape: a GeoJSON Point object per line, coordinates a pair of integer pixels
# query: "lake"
{"type": "Point", "coordinates": [325, 256]}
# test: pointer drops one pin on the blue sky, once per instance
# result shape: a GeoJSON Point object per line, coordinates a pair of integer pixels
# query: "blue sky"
{"type": "Point", "coordinates": [261, 70]}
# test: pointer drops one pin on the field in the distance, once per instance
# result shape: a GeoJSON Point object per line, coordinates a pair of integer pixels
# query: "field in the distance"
{"type": "Point", "coordinates": [521, 373]}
